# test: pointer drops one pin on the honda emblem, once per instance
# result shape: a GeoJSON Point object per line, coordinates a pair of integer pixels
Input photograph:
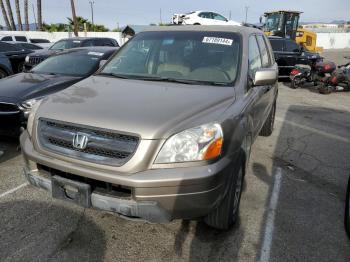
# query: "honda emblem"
{"type": "Point", "coordinates": [80, 141]}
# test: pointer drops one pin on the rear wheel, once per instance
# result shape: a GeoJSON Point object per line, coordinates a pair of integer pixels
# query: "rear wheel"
{"type": "Point", "coordinates": [3, 74]}
{"type": "Point", "coordinates": [267, 129]}
{"type": "Point", "coordinates": [347, 210]}
{"type": "Point", "coordinates": [196, 24]}
{"type": "Point", "coordinates": [226, 214]}
{"type": "Point", "coordinates": [325, 89]}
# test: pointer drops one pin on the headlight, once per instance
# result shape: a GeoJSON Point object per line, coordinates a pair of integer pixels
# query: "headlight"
{"type": "Point", "coordinates": [26, 59]}
{"type": "Point", "coordinates": [31, 117]}
{"type": "Point", "coordinates": [195, 144]}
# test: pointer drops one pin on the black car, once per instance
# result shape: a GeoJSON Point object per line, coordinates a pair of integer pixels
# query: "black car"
{"type": "Point", "coordinates": [28, 46]}
{"type": "Point", "coordinates": [15, 54]}
{"type": "Point", "coordinates": [5, 66]}
{"type": "Point", "coordinates": [288, 54]}
{"type": "Point", "coordinates": [18, 93]}
{"type": "Point", "coordinates": [38, 57]}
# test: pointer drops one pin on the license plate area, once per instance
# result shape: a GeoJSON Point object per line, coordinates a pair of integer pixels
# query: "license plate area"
{"type": "Point", "coordinates": [71, 191]}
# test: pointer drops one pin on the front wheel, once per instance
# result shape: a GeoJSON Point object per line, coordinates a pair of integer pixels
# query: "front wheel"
{"type": "Point", "coordinates": [226, 214]}
{"type": "Point", "coordinates": [347, 210]}
{"type": "Point", "coordinates": [295, 83]}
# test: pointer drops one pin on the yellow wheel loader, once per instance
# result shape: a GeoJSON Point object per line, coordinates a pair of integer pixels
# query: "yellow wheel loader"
{"type": "Point", "coordinates": [286, 24]}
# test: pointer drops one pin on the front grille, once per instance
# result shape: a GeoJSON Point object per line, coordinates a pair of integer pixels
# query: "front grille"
{"type": "Point", "coordinates": [103, 146]}
{"type": "Point", "coordinates": [8, 108]}
{"type": "Point", "coordinates": [35, 60]}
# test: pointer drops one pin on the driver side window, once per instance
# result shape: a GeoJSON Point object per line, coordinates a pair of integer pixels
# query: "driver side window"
{"type": "Point", "coordinates": [218, 17]}
{"type": "Point", "coordinates": [254, 58]}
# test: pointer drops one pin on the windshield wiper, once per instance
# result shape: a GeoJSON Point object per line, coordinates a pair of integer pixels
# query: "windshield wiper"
{"type": "Point", "coordinates": [176, 80]}
{"type": "Point", "coordinates": [166, 79]}
{"type": "Point", "coordinates": [115, 75]}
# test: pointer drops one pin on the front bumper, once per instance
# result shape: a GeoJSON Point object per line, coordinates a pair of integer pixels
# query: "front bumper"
{"type": "Point", "coordinates": [158, 195]}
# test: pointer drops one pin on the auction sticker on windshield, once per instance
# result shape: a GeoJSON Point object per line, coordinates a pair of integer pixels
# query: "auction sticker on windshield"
{"type": "Point", "coordinates": [217, 40]}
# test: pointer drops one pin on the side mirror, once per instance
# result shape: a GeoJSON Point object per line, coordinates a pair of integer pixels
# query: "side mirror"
{"type": "Point", "coordinates": [265, 77]}
{"type": "Point", "coordinates": [102, 63]}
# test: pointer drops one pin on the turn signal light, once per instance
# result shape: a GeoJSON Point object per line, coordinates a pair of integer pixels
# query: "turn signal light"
{"type": "Point", "coordinates": [214, 150]}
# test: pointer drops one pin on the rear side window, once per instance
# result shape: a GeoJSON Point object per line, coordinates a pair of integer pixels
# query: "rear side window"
{"type": "Point", "coordinates": [205, 15]}
{"type": "Point", "coordinates": [31, 47]}
{"type": "Point", "coordinates": [21, 38]}
{"type": "Point", "coordinates": [4, 47]}
{"type": "Point", "coordinates": [254, 56]}
{"type": "Point", "coordinates": [265, 58]}
{"type": "Point", "coordinates": [6, 38]}
{"type": "Point", "coordinates": [277, 45]}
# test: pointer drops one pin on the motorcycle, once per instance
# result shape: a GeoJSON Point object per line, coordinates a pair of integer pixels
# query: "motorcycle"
{"type": "Point", "coordinates": [338, 81]}
{"type": "Point", "coordinates": [317, 72]}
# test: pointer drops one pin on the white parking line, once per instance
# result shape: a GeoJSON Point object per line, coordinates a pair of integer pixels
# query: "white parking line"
{"type": "Point", "coordinates": [268, 235]}
{"type": "Point", "coordinates": [13, 190]}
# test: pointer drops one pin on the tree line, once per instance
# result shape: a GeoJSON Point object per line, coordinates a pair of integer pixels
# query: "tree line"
{"type": "Point", "coordinates": [75, 24]}
{"type": "Point", "coordinates": [9, 19]}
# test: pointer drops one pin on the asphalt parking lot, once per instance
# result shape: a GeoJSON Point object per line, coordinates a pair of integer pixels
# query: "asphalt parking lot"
{"type": "Point", "coordinates": [292, 205]}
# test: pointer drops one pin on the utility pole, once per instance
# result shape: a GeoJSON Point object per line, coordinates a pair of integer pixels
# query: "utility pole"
{"type": "Point", "coordinates": [160, 16]}
{"type": "Point", "coordinates": [229, 17]}
{"type": "Point", "coordinates": [92, 14]}
{"type": "Point", "coordinates": [74, 16]}
{"type": "Point", "coordinates": [246, 13]}
{"type": "Point", "coordinates": [36, 25]}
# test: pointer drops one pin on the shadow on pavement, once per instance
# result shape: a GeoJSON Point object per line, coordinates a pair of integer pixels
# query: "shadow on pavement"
{"type": "Point", "coordinates": [40, 231]}
{"type": "Point", "coordinates": [313, 149]}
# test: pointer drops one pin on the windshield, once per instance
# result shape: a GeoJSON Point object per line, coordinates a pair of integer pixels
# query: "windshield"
{"type": "Point", "coordinates": [273, 22]}
{"type": "Point", "coordinates": [68, 64]}
{"type": "Point", "coordinates": [205, 57]}
{"type": "Point", "coordinates": [65, 44]}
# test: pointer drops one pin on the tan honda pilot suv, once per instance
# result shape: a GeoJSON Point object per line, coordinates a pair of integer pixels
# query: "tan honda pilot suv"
{"type": "Point", "coordinates": [163, 130]}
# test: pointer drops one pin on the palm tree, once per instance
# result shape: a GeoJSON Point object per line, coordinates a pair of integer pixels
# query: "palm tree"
{"type": "Point", "coordinates": [80, 22]}
{"type": "Point", "coordinates": [40, 19]}
{"type": "Point", "coordinates": [75, 27]}
{"type": "Point", "coordinates": [9, 11]}
{"type": "Point", "coordinates": [26, 20]}
{"type": "Point", "coordinates": [18, 13]}
{"type": "Point", "coordinates": [4, 14]}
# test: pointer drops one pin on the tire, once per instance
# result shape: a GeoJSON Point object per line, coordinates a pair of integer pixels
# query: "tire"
{"type": "Point", "coordinates": [3, 74]}
{"type": "Point", "coordinates": [268, 126]}
{"type": "Point", "coordinates": [226, 214]}
{"type": "Point", "coordinates": [325, 90]}
{"type": "Point", "coordinates": [196, 24]}
{"type": "Point", "coordinates": [347, 210]}
{"type": "Point", "coordinates": [20, 67]}
{"type": "Point", "coordinates": [294, 84]}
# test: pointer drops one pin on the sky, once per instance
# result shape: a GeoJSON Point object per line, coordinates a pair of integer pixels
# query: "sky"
{"type": "Point", "coordinates": [143, 12]}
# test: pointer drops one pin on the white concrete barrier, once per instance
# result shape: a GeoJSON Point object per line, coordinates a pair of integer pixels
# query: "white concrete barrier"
{"type": "Point", "coordinates": [55, 36]}
{"type": "Point", "coordinates": [325, 40]}
{"type": "Point", "coordinates": [333, 40]}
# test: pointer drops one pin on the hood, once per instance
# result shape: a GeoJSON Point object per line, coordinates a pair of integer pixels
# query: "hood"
{"type": "Point", "coordinates": [153, 110]}
{"type": "Point", "coordinates": [25, 86]}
